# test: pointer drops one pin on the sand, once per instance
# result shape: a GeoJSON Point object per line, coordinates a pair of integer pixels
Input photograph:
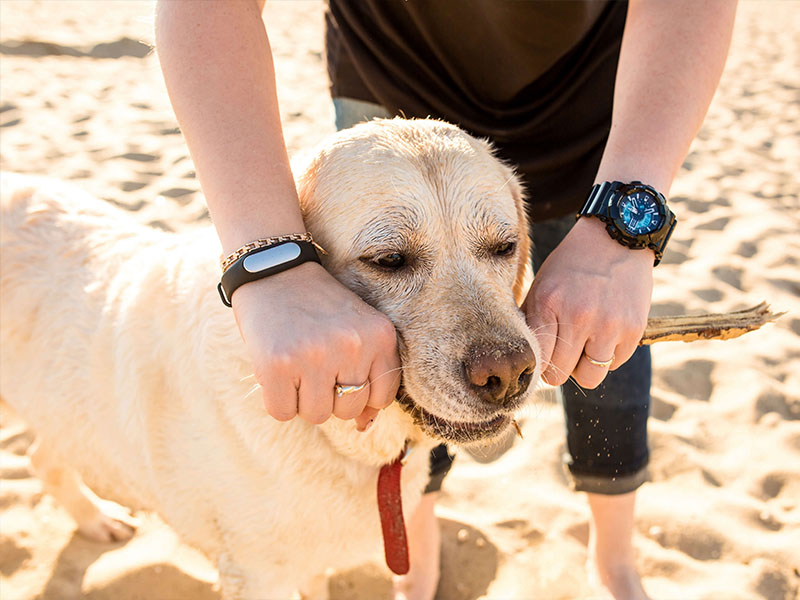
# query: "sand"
{"type": "Point", "coordinates": [80, 100]}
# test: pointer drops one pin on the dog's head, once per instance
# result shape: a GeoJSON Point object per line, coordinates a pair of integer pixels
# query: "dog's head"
{"type": "Point", "coordinates": [426, 225]}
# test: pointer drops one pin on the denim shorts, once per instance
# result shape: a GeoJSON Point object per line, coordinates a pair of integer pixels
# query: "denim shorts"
{"type": "Point", "coordinates": [606, 428]}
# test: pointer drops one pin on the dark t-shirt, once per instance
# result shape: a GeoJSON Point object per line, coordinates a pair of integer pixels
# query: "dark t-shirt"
{"type": "Point", "coordinates": [536, 77]}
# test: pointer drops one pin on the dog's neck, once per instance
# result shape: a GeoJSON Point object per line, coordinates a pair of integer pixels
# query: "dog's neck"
{"type": "Point", "coordinates": [382, 443]}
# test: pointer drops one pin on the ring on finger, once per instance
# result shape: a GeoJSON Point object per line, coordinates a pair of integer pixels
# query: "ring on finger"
{"type": "Point", "coordinates": [341, 390]}
{"type": "Point", "coordinates": [599, 363]}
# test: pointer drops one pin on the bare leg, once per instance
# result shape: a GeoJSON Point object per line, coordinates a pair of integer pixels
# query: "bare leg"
{"type": "Point", "coordinates": [98, 519]}
{"type": "Point", "coordinates": [424, 546]}
{"type": "Point", "coordinates": [612, 561]}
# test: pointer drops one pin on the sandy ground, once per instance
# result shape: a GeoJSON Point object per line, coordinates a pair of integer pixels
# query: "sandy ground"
{"type": "Point", "coordinates": [721, 517]}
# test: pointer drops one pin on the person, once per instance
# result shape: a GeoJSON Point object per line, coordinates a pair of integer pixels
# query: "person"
{"type": "Point", "coordinates": [573, 94]}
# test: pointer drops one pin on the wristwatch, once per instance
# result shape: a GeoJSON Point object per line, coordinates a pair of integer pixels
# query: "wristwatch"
{"type": "Point", "coordinates": [635, 214]}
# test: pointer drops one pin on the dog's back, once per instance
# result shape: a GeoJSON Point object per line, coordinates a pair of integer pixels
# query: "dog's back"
{"type": "Point", "coordinates": [117, 350]}
{"type": "Point", "coordinates": [69, 264]}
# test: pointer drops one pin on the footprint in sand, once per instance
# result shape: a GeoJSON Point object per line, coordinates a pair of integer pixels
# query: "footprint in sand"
{"type": "Point", "coordinates": [13, 556]}
{"type": "Point", "coordinates": [673, 256]}
{"type": "Point", "coordinates": [182, 196]}
{"type": "Point", "coordinates": [117, 49]}
{"type": "Point", "coordinates": [774, 401]}
{"type": "Point", "coordinates": [694, 206]}
{"type": "Point", "coordinates": [661, 409]}
{"type": "Point", "coordinates": [708, 294]}
{"type": "Point", "coordinates": [667, 309]}
{"type": "Point", "coordinates": [699, 541]}
{"type": "Point", "coordinates": [138, 156]}
{"type": "Point", "coordinates": [747, 249]}
{"type": "Point", "coordinates": [730, 275]}
{"type": "Point", "coordinates": [131, 186]}
{"type": "Point", "coordinates": [715, 224]}
{"type": "Point", "coordinates": [773, 484]}
{"type": "Point", "coordinates": [692, 379]}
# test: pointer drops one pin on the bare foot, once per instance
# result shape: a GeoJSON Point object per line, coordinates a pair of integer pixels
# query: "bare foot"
{"type": "Point", "coordinates": [424, 546]}
{"type": "Point", "coordinates": [619, 581]}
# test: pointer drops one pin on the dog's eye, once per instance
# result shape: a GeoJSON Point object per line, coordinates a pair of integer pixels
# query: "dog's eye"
{"type": "Point", "coordinates": [504, 249]}
{"type": "Point", "coordinates": [395, 260]}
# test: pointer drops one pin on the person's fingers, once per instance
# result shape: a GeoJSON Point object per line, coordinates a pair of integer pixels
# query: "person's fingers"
{"type": "Point", "coordinates": [350, 404]}
{"type": "Point", "coordinates": [315, 397]}
{"type": "Point", "coordinates": [545, 330]}
{"type": "Point", "coordinates": [622, 353]}
{"type": "Point", "coordinates": [280, 396]}
{"type": "Point", "coordinates": [366, 418]}
{"type": "Point", "coordinates": [587, 372]}
{"type": "Point", "coordinates": [566, 354]}
{"type": "Point", "coordinates": [385, 371]}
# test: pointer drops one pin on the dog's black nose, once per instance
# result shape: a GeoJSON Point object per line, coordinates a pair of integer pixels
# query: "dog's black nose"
{"type": "Point", "coordinates": [496, 373]}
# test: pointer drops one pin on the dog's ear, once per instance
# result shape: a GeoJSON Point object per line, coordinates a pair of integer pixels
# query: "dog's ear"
{"type": "Point", "coordinates": [524, 269]}
{"type": "Point", "coordinates": [304, 167]}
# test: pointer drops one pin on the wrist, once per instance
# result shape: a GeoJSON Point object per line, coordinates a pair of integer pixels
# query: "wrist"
{"type": "Point", "coordinates": [297, 280]}
{"type": "Point", "coordinates": [263, 259]}
{"type": "Point", "coordinates": [604, 248]}
{"type": "Point", "coordinates": [241, 222]}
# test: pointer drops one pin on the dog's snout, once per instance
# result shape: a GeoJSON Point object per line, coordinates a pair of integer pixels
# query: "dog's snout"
{"type": "Point", "coordinates": [496, 374]}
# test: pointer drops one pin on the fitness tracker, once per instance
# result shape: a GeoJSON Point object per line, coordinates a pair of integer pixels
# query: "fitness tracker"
{"type": "Point", "coordinates": [263, 262]}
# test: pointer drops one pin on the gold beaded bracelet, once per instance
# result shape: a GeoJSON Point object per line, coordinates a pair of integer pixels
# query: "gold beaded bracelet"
{"type": "Point", "coordinates": [265, 242]}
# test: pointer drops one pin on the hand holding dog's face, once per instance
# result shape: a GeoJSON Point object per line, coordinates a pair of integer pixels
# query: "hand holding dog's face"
{"type": "Point", "coordinates": [424, 224]}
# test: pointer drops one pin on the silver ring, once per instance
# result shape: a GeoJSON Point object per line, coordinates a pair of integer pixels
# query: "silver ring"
{"type": "Point", "coordinates": [341, 390]}
{"type": "Point", "coordinates": [599, 363]}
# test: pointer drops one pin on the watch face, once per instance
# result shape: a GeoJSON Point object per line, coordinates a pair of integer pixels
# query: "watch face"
{"type": "Point", "coordinates": [639, 212]}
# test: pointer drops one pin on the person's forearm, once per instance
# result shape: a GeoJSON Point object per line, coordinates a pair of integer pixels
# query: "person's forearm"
{"type": "Point", "coordinates": [217, 64]}
{"type": "Point", "coordinates": [673, 53]}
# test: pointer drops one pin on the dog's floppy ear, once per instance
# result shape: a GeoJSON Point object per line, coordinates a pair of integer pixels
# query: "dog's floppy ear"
{"type": "Point", "coordinates": [524, 269]}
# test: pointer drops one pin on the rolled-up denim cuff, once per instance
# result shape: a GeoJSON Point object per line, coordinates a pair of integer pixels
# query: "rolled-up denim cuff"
{"type": "Point", "coordinates": [608, 486]}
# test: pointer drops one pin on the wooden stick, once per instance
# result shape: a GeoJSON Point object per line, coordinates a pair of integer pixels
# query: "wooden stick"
{"type": "Point", "coordinates": [719, 326]}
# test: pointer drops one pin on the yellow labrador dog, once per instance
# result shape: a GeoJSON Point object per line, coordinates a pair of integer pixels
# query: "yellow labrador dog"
{"type": "Point", "coordinates": [117, 350]}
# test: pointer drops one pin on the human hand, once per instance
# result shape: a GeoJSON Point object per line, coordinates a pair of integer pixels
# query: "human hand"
{"type": "Point", "coordinates": [590, 297]}
{"type": "Point", "coordinates": [305, 332]}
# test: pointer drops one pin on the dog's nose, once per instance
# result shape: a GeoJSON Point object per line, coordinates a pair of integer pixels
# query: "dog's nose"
{"type": "Point", "coordinates": [496, 374]}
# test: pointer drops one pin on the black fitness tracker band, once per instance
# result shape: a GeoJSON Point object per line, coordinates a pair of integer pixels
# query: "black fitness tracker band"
{"type": "Point", "coordinates": [264, 262]}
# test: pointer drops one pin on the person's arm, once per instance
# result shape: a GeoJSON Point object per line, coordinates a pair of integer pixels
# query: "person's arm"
{"type": "Point", "coordinates": [304, 331]}
{"type": "Point", "coordinates": [217, 64]}
{"type": "Point", "coordinates": [592, 294]}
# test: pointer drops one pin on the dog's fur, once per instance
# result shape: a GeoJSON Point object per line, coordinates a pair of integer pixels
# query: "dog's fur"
{"type": "Point", "coordinates": [118, 351]}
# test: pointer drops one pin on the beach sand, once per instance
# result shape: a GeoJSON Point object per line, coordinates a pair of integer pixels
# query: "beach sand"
{"type": "Point", "coordinates": [80, 100]}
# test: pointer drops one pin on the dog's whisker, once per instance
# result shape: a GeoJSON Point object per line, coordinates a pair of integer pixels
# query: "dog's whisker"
{"type": "Point", "coordinates": [252, 391]}
{"type": "Point", "coordinates": [506, 182]}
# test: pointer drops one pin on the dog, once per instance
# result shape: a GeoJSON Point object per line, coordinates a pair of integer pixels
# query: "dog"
{"type": "Point", "coordinates": [118, 352]}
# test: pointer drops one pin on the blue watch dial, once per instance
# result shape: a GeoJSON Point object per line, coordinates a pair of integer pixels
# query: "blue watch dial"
{"type": "Point", "coordinates": [640, 213]}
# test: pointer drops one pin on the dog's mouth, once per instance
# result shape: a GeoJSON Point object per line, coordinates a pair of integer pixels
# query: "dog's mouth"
{"type": "Point", "coordinates": [459, 432]}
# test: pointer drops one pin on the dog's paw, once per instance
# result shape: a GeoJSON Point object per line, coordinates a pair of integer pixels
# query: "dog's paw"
{"type": "Point", "coordinates": [111, 522]}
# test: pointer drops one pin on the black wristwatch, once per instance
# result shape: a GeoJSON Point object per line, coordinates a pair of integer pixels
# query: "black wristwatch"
{"type": "Point", "coordinates": [635, 214]}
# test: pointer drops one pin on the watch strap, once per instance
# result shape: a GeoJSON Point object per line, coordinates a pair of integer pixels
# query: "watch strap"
{"type": "Point", "coordinates": [263, 262]}
{"type": "Point", "coordinates": [597, 203]}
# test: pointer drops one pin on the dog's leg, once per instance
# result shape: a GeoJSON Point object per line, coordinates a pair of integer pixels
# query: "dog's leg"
{"type": "Point", "coordinates": [98, 519]}
{"type": "Point", "coordinates": [252, 575]}
{"type": "Point", "coordinates": [316, 588]}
